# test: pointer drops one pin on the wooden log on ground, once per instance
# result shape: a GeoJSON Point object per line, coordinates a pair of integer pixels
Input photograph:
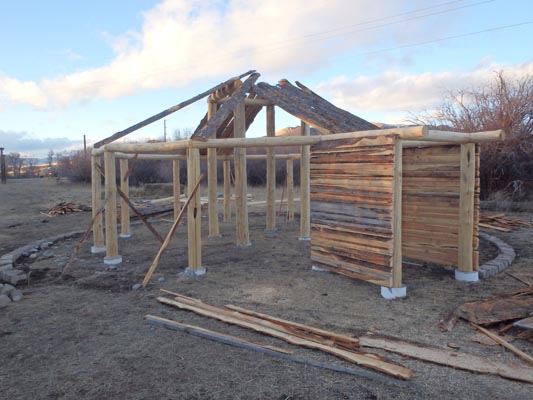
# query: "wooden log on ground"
{"type": "Point", "coordinates": [453, 359]}
{"type": "Point", "coordinates": [367, 360]}
{"type": "Point", "coordinates": [262, 348]}
{"type": "Point", "coordinates": [346, 341]}
{"type": "Point", "coordinates": [496, 310]}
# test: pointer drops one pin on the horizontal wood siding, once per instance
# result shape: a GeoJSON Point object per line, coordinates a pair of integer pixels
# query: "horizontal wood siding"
{"type": "Point", "coordinates": [351, 207]}
{"type": "Point", "coordinates": [430, 204]}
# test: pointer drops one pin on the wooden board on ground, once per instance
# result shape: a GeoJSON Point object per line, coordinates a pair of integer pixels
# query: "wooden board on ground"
{"type": "Point", "coordinates": [496, 310]}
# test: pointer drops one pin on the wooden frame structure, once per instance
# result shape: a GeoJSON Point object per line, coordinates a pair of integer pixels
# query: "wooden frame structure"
{"type": "Point", "coordinates": [368, 196]}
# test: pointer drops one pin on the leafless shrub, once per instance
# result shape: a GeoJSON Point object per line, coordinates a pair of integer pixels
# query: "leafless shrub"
{"type": "Point", "coordinates": [503, 103]}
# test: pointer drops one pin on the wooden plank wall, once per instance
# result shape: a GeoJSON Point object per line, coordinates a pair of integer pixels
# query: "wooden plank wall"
{"type": "Point", "coordinates": [351, 207]}
{"type": "Point", "coordinates": [430, 205]}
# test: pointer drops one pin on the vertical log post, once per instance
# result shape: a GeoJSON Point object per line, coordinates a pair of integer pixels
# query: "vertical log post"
{"type": "Point", "coordinates": [96, 189]}
{"type": "Point", "coordinates": [176, 187]}
{"type": "Point", "coordinates": [194, 214]}
{"type": "Point", "coordinates": [124, 208]}
{"type": "Point", "coordinates": [212, 181]}
{"type": "Point", "coordinates": [270, 171]}
{"type": "Point", "coordinates": [397, 216]}
{"type": "Point", "coordinates": [111, 236]}
{"type": "Point", "coordinates": [227, 191]}
{"type": "Point", "coordinates": [305, 199]}
{"type": "Point", "coordinates": [241, 198]}
{"type": "Point", "coordinates": [396, 289]}
{"type": "Point", "coordinates": [465, 271]}
{"type": "Point", "coordinates": [290, 190]}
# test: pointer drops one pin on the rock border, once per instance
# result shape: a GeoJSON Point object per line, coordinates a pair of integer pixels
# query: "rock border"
{"type": "Point", "coordinates": [501, 262]}
{"type": "Point", "coordinates": [8, 272]}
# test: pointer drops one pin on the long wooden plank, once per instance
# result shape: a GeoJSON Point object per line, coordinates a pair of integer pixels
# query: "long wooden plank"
{"type": "Point", "coordinates": [168, 111]}
{"type": "Point", "coordinates": [348, 341]}
{"type": "Point", "coordinates": [505, 344]}
{"type": "Point", "coordinates": [366, 360]}
{"type": "Point", "coordinates": [467, 362]}
{"type": "Point", "coordinates": [262, 348]}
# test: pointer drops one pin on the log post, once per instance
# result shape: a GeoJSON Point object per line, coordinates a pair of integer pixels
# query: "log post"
{"type": "Point", "coordinates": [111, 236]}
{"type": "Point", "coordinates": [290, 190]}
{"type": "Point", "coordinates": [194, 214]}
{"type": "Point", "coordinates": [305, 199]}
{"type": "Point", "coordinates": [124, 208]}
{"type": "Point", "coordinates": [241, 200]}
{"type": "Point", "coordinates": [396, 289]}
{"type": "Point", "coordinates": [212, 181]}
{"type": "Point", "coordinates": [270, 171]}
{"type": "Point", "coordinates": [397, 215]}
{"type": "Point", "coordinates": [465, 270]}
{"type": "Point", "coordinates": [96, 189]}
{"type": "Point", "coordinates": [227, 190]}
{"type": "Point", "coordinates": [176, 187]}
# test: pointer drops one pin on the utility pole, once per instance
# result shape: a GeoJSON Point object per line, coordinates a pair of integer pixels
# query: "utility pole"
{"type": "Point", "coordinates": [165, 130]}
{"type": "Point", "coordinates": [3, 165]}
{"type": "Point", "coordinates": [84, 147]}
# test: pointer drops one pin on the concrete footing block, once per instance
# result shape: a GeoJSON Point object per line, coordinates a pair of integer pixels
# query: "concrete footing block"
{"type": "Point", "coordinates": [244, 245]}
{"type": "Point", "coordinates": [194, 272]}
{"type": "Point", "coordinates": [214, 236]}
{"type": "Point", "coordinates": [315, 268]}
{"type": "Point", "coordinates": [112, 260]}
{"type": "Point", "coordinates": [124, 235]}
{"type": "Point", "coordinates": [466, 276]}
{"type": "Point", "coordinates": [393, 293]}
{"type": "Point", "coordinates": [304, 238]}
{"type": "Point", "coordinates": [96, 249]}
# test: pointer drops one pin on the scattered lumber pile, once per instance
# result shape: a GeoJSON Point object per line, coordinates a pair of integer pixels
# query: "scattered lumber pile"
{"type": "Point", "coordinates": [508, 313]}
{"type": "Point", "coordinates": [64, 207]}
{"type": "Point", "coordinates": [343, 346]}
{"type": "Point", "coordinates": [502, 222]}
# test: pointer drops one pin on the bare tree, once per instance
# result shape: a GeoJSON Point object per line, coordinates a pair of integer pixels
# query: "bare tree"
{"type": "Point", "coordinates": [50, 157]}
{"type": "Point", "coordinates": [15, 161]}
{"type": "Point", "coordinates": [503, 103]}
{"type": "Point", "coordinates": [32, 166]}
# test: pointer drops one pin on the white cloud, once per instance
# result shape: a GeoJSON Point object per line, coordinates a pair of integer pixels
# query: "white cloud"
{"type": "Point", "coordinates": [30, 146]}
{"type": "Point", "coordinates": [394, 91]}
{"type": "Point", "coordinates": [182, 41]}
{"type": "Point", "coordinates": [22, 92]}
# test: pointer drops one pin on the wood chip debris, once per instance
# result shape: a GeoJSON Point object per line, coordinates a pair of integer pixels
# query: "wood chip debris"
{"type": "Point", "coordinates": [502, 222]}
{"type": "Point", "coordinates": [64, 207]}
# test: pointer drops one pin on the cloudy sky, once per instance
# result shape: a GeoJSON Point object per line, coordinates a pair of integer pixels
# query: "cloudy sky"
{"type": "Point", "coordinates": [92, 68]}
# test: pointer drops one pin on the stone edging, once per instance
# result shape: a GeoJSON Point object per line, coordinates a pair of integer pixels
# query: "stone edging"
{"type": "Point", "coordinates": [502, 261]}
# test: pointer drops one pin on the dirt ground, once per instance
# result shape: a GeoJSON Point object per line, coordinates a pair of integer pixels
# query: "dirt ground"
{"type": "Point", "coordinates": [85, 337]}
